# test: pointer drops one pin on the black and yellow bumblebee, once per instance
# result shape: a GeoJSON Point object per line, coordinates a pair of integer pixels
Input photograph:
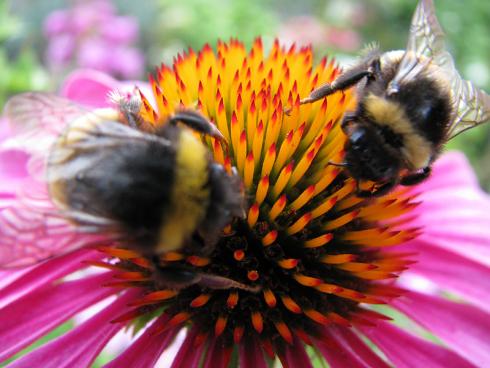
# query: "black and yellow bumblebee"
{"type": "Point", "coordinates": [155, 189]}
{"type": "Point", "coordinates": [410, 102]}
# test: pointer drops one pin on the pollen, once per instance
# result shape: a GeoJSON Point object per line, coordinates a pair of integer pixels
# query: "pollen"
{"type": "Point", "coordinates": [310, 252]}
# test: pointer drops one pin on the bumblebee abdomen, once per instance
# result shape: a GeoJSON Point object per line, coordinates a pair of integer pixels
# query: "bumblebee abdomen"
{"type": "Point", "coordinates": [129, 183]}
{"type": "Point", "coordinates": [190, 193]}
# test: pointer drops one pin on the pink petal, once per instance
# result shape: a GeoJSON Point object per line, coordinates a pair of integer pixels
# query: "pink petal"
{"type": "Point", "coordinates": [343, 348]}
{"type": "Point", "coordinates": [29, 318]}
{"type": "Point", "coordinates": [89, 87]}
{"type": "Point", "coordinates": [460, 224]}
{"type": "Point", "coordinates": [145, 351]}
{"type": "Point", "coordinates": [453, 272]}
{"type": "Point", "coordinates": [295, 356]}
{"type": "Point", "coordinates": [250, 354]}
{"type": "Point", "coordinates": [80, 346]}
{"type": "Point", "coordinates": [9, 276]}
{"type": "Point", "coordinates": [46, 273]}
{"type": "Point", "coordinates": [473, 245]}
{"type": "Point", "coordinates": [464, 328]}
{"type": "Point", "coordinates": [189, 354]}
{"type": "Point", "coordinates": [451, 170]}
{"type": "Point", "coordinates": [218, 355]}
{"type": "Point", "coordinates": [405, 350]}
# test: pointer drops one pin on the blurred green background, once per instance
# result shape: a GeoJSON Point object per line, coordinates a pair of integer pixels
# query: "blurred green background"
{"type": "Point", "coordinates": [166, 27]}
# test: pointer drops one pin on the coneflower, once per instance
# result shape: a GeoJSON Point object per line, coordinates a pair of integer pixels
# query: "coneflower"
{"type": "Point", "coordinates": [323, 258]}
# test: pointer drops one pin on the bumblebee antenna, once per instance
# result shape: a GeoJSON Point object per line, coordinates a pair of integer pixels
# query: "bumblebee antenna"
{"type": "Point", "coordinates": [338, 164]}
{"type": "Point", "coordinates": [197, 122]}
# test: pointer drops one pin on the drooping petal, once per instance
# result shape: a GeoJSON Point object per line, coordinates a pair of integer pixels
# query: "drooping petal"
{"type": "Point", "coordinates": [218, 355]}
{"type": "Point", "coordinates": [452, 272]}
{"type": "Point", "coordinates": [9, 276]}
{"type": "Point", "coordinates": [454, 212]}
{"type": "Point", "coordinates": [145, 351]}
{"type": "Point", "coordinates": [343, 348]}
{"type": "Point", "coordinates": [451, 170]}
{"type": "Point", "coordinates": [80, 346]}
{"type": "Point", "coordinates": [295, 356]}
{"type": "Point", "coordinates": [405, 350]}
{"type": "Point", "coordinates": [41, 310]}
{"type": "Point", "coordinates": [44, 274]}
{"type": "Point", "coordinates": [464, 328]}
{"type": "Point", "coordinates": [251, 356]}
{"type": "Point", "coordinates": [89, 87]}
{"type": "Point", "coordinates": [189, 353]}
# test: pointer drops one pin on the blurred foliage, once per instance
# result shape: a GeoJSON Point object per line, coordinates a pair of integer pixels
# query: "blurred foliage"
{"type": "Point", "coordinates": [168, 27]}
{"type": "Point", "coordinates": [193, 23]}
{"type": "Point", "coordinates": [20, 69]}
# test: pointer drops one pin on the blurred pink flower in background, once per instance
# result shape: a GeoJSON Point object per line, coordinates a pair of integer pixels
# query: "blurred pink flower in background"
{"type": "Point", "coordinates": [91, 35]}
{"type": "Point", "coordinates": [305, 30]}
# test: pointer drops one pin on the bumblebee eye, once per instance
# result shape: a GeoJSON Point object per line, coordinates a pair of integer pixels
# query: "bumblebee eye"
{"type": "Point", "coordinates": [357, 136]}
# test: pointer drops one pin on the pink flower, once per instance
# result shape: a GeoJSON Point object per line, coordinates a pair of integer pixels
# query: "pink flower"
{"type": "Point", "coordinates": [121, 30]}
{"type": "Point", "coordinates": [91, 35]}
{"type": "Point", "coordinates": [452, 250]}
{"type": "Point", "coordinates": [305, 30]}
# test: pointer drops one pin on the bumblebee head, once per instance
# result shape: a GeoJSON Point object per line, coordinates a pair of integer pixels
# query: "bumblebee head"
{"type": "Point", "coordinates": [367, 155]}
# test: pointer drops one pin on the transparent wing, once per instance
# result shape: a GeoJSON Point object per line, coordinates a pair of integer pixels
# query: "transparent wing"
{"type": "Point", "coordinates": [471, 105]}
{"type": "Point", "coordinates": [32, 230]}
{"type": "Point", "coordinates": [36, 119]}
{"type": "Point", "coordinates": [425, 43]}
{"type": "Point", "coordinates": [426, 35]}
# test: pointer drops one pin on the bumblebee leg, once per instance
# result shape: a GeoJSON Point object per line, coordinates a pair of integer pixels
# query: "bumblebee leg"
{"type": "Point", "coordinates": [344, 81]}
{"type": "Point", "coordinates": [416, 178]}
{"type": "Point", "coordinates": [338, 164]}
{"type": "Point", "coordinates": [220, 282]}
{"type": "Point", "coordinates": [196, 122]}
{"type": "Point", "coordinates": [377, 192]}
{"type": "Point", "coordinates": [174, 277]}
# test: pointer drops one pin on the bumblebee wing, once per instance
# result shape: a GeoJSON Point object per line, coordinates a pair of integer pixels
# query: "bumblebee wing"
{"type": "Point", "coordinates": [426, 35]}
{"type": "Point", "coordinates": [37, 119]}
{"type": "Point", "coordinates": [471, 105]}
{"type": "Point", "coordinates": [32, 228]}
{"type": "Point", "coordinates": [31, 231]}
{"type": "Point", "coordinates": [425, 44]}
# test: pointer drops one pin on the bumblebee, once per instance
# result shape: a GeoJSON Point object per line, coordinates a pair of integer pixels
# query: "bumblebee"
{"type": "Point", "coordinates": [410, 103]}
{"type": "Point", "coordinates": [155, 189]}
